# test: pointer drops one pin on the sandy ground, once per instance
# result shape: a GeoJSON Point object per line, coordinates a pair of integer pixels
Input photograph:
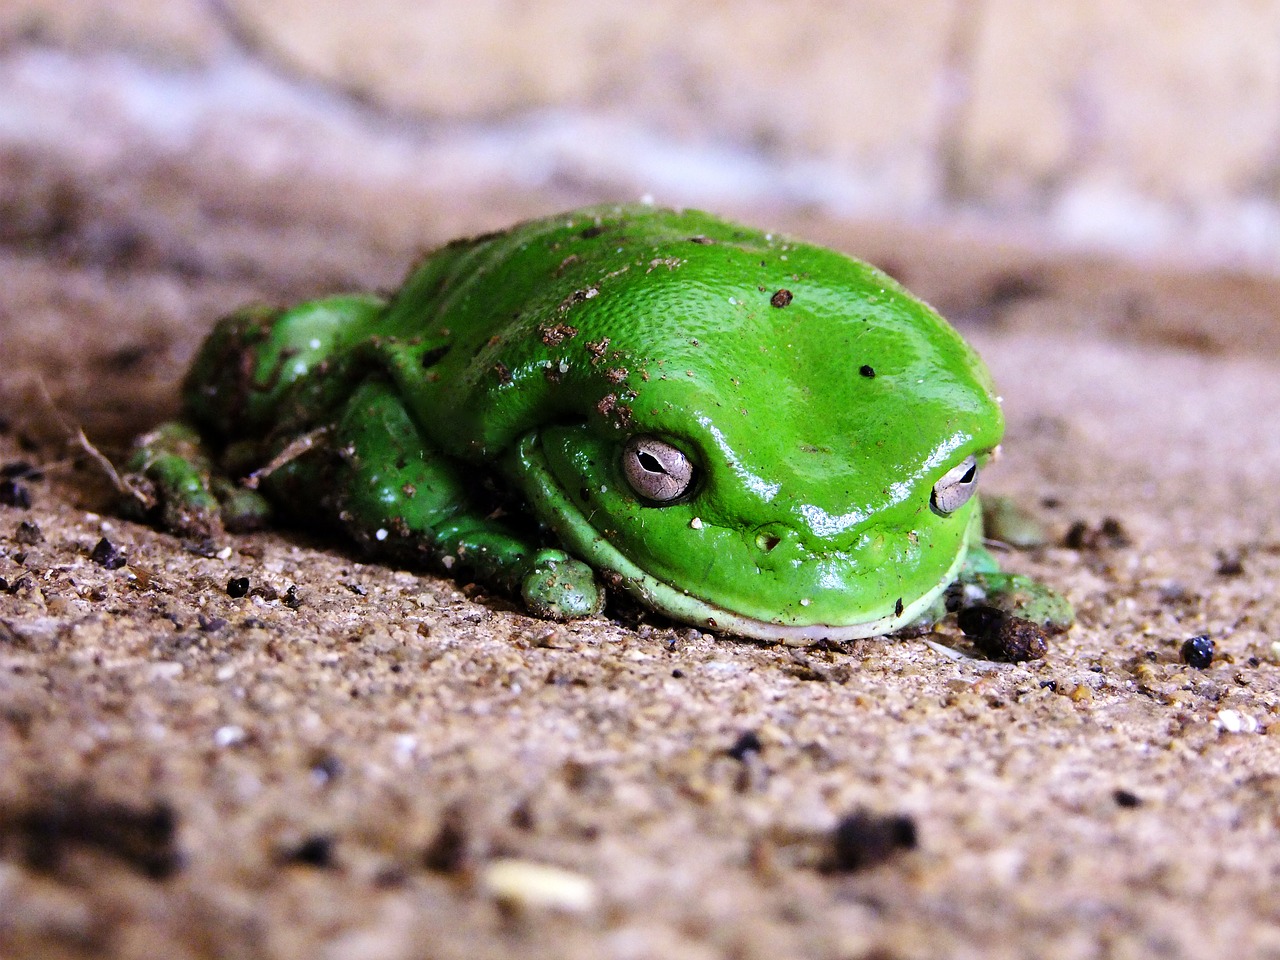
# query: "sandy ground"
{"type": "Point", "coordinates": [344, 762]}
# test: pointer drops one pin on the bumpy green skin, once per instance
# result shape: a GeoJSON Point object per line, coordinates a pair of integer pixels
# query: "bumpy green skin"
{"type": "Point", "coordinates": [510, 369]}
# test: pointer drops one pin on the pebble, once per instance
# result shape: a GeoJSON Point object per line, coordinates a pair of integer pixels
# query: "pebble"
{"type": "Point", "coordinates": [28, 534]}
{"type": "Point", "coordinates": [1002, 637]}
{"type": "Point", "coordinates": [1198, 652]}
{"type": "Point", "coordinates": [1233, 721]}
{"type": "Point", "coordinates": [107, 554]}
{"type": "Point", "coordinates": [863, 839]}
{"type": "Point", "coordinates": [529, 885]}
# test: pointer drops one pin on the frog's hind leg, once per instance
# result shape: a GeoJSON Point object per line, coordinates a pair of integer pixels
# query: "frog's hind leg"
{"type": "Point", "coordinates": [249, 382]}
{"type": "Point", "coordinates": [399, 497]}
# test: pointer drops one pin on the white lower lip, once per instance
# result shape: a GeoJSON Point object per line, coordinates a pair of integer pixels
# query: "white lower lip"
{"type": "Point", "coordinates": [802, 635]}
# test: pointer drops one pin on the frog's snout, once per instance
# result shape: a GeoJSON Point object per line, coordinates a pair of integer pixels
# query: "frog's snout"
{"type": "Point", "coordinates": [779, 546]}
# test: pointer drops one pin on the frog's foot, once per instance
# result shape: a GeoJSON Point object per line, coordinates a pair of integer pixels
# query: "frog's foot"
{"type": "Point", "coordinates": [1015, 596]}
{"type": "Point", "coordinates": [559, 587]}
{"type": "Point", "coordinates": [172, 469]}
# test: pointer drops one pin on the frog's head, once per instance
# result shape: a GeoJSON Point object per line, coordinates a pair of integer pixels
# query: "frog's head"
{"type": "Point", "coordinates": [779, 453]}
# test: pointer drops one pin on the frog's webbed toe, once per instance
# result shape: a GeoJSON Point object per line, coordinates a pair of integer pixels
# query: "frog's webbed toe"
{"type": "Point", "coordinates": [177, 487]}
{"type": "Point", "coordinates": [559, 587]}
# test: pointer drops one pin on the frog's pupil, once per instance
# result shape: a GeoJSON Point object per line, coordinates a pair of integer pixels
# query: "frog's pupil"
{"type": "Point", "coordinates": [650, 462]}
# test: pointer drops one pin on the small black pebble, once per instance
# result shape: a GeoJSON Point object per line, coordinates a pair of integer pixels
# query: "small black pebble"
{"type": "Point", "coordinates": [291, 598]}
{"type": "Point", "coordinates": [1109, 535]}
{"type": "Point", "coordinates": [863, 840]}
{"type": "Point", "coordinates": [28, 534]}
{"type": "Point", "coordinates": [450, 849]}
{"type": "Point", "coordinates": [1229, 564]}
{"type": "Point", "coordinates": [106, 554]}
{"type": "Point", "coordinates": [781, 299]}
{"type": "Point", "coordinates": [1198, 652]}
{"type": "Point", "coordinates": [238, 587]}
{"type": "Point", "coordinates": [677, 673]}
{"type": "Point", "coordinates": [867, 371]}
{"type": "Point", "coordinates": [1000, 636]}
{"type": "Point", "coordinates": [15, 494]}
{"type": "Point", "coordinates": [522, 816]}
{"type": "Point", "coordinates": [749, 742]}
{"type": "Point", "coordinates": [1114, 531]}
{"type": "Point", "coordinates": [314, 851]}
{"type": "Point", "coordinates": [1127, 799]}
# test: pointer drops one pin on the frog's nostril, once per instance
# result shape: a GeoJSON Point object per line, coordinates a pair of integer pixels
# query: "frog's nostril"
{"type": "Point", "coordinates": [767, 541]}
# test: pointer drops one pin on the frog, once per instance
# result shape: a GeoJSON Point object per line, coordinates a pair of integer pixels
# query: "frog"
{"type": "Point", "coordinates": [748, 433]}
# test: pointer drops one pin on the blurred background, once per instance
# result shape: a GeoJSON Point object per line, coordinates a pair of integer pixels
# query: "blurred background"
{"type": "Point", "coordinates": [278, 148]}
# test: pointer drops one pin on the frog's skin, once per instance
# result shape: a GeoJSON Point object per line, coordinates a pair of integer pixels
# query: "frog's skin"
{"type": "Point", "coordinates": [484, 418]}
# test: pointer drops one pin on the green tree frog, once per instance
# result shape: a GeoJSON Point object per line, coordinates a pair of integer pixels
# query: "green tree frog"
{"type": "Point", "coordinates": [748, 433]}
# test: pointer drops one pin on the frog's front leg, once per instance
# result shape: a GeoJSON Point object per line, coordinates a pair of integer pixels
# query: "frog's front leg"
{"type": "Point", "coordinates": [982, 582]}
{"type": "Point", "coordinates": [398, 496]}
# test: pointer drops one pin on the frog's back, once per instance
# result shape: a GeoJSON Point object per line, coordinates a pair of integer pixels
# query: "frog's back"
{"type": "Point", "coordinates": [591, 314]}
{"type": "Point", "coordinates": [481, 329]}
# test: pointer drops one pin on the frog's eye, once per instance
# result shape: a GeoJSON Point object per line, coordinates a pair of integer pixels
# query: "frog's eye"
{"type": "Point", "coordinates": [656, 470]}
{"type": "Point", "coordinates": [956, 486]}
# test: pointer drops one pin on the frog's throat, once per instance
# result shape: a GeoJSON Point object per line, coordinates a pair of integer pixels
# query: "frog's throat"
{"type": "Point", "coordinates": [574, 530]}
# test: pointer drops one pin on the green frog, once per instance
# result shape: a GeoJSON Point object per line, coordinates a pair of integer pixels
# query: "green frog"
{"type": "Point", "coordinates": [748, 433]}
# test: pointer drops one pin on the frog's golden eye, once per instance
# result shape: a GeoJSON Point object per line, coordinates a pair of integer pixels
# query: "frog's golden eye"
{"type": "Point", "coordinates": [956, 486]}
{"type": "Point", "coordinates": [657, 471]}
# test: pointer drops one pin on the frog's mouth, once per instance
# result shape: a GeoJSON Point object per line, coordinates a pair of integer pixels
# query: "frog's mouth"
{"type": "Point", "coordinates": [575, 532]}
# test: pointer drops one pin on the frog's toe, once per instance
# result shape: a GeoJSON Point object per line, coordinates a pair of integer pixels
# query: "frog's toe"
{"type": "Point", "coordinates": [175, 495]}
{"type": "Point", "coordinates": [561, 588]}
{"type": "Point", "coordinates": [242, 510]}
{"type": "Point", "coordinates": [1023, 597]}
{"type": "Point", "coordinates": [173, 483]}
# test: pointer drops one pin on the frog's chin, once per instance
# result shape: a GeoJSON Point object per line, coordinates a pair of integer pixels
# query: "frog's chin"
{"type": "Point", "coordinates": [690, 609]}
{"type": "Point", "coordinates": [576, 534]}
{"type": "Point", "coordinates": [700, 612]}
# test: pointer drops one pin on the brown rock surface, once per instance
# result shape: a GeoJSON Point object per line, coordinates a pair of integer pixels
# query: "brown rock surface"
{"type": "Point", "coordinates": [190, 774]}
